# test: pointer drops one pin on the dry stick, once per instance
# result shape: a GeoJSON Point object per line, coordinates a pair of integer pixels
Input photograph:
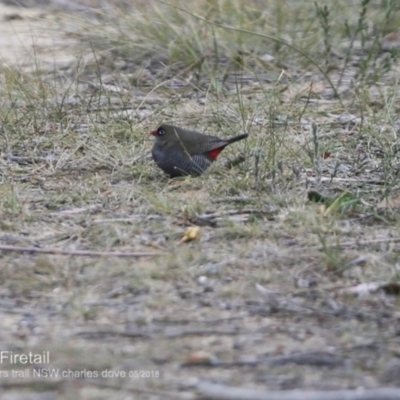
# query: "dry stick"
{"type": "Point", "coordinates": [172, 321]}
{"type": "Point", "coordinates": [35, 384]}
{"type": "Point", "coordinates": [345, 180]}
{"type": "Point", "coordinates": [365, 242]}
{"type": "Point", "coordinates": [158, 393]}
{"type": "Point", "coordinates": [220, 392]}
{"type": "Point", "coordinates": [229, 213]}
{"type": "Point", "coordinates": [29, 160]}
{"type": "Point", "coordinates": [90, 253]}
{"type": "Point", "coordinates": [133, 218]}
{"type": "Point", "coordinates": [172, 334]}
{"type": "Point", "coordinates": [71, 211]}
{"type": "Point", "coordinates": [53, 385]}
{"type": "Point", "coordinates": [82, 253]}
{"type": "Point", "coordinates": [234, 199]}
{"type": "Point", "coordinates": [105, 333]}
{"type": "Point", "coordinates": [353, 243]}
{"type": "Point", "coordinates": [201, 332]}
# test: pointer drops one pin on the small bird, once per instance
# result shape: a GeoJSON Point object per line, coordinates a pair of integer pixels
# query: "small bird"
{"type": "Point", "coordinates": [180, 152]}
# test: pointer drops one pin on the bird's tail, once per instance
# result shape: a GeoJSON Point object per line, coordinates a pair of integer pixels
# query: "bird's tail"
{"type": "Point", "coordinates": [237, 138]}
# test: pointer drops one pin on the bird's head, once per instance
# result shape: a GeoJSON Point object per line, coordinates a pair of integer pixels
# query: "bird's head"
{"type": "Point", "coordinates": [160, 132]}
{"type": "Point", "coordinates": [168, 134]}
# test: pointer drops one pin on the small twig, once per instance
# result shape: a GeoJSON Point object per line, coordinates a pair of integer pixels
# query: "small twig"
{"type": "Point", "coordinates": [229, 213]}
{"type": "Point", "coordinates": [29, 160]}
{"type": "Point", "coordinates": [221, 392]}
{"type": "Point", "coordinates": [356, 243]}
{"type": "Point", "coordinates": [221, 364]}
{"type": "Point", "coordinates": [257, 155]}
{"type": "Point", "coordinates": [314, 359]}
{"type": "Point", "coordinates": [81, 253]}
{"type": "Point", "coordinates": [234, 199]}
{"type": "Point", "coordinates": [113, 332]}
{"type": "Point", "coordinates": [344, 180]}
{"type": "Point", "coordinates": [133, 218]}
{"type": "Point", "coordinates": [35, 384]}
{"type": "Point", "coordinates": [160, 394]}
{"type": "Point", "coordinates": [172, 333]}
{"type": "Point", "coordinates": [316, 157]}
{"type": "Point", "coordinates": [213, 219]}
{"type": "Point", "coordinates": [168, 333]}
{"type": "Point", "coordinates": [91, 208]}
{"type": "Point", "coordinates": [210, 322]}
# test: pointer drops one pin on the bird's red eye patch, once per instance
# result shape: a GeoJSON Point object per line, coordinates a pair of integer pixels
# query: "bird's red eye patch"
{"type": "Point", "coordinates": [158, 132]}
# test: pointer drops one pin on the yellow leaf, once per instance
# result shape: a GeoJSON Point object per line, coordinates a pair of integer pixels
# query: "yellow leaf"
{"type": "Point", "coordinates": [192, 233]}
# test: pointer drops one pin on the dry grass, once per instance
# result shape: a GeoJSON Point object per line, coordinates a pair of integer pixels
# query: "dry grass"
{"type": "Point", "coordinates": [271, 273]}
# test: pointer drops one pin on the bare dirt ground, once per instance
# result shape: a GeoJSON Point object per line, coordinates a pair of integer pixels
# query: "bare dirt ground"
{"type": "Point", "coordinates": [291, 288]}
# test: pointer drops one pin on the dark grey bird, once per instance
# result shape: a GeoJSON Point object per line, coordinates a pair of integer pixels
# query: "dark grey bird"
{"type": "Point", "coordinates": [180, 152]}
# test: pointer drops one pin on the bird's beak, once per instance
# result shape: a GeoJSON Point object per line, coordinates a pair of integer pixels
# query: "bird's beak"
{"type": "Point", "coordinates": [154, 133]}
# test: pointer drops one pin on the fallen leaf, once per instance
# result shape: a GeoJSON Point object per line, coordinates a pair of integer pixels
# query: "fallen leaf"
{"type": "Point", "coordinates": [192, 233]}
{"type": "Point", "coordinates": [364, 288]}
{"type": "Point", "coordinates": [201, 358]}
{"type": "Point", "coordinates": [390, 203]}
{"type": "Point", "coordinates": [326, 154]}
{"type": "Point", "coordinates": [392, 288]}
{"type": "Point", "coordinates": [344, 202]}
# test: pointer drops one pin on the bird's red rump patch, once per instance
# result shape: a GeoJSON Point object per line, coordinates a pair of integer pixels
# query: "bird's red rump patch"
{"type": "Point", "coordinates": [213, 154]}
